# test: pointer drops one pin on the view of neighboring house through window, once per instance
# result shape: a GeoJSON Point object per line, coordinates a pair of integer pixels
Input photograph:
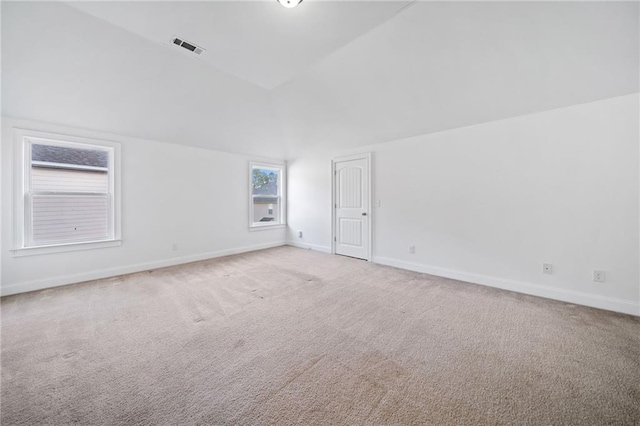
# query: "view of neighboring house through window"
{"type": "Point", "coordinates": [68, 193]}
{"type": "Point", "coordinates": [267, 204]}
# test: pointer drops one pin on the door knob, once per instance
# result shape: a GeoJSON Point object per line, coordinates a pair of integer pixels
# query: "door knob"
{"type": "Point", "coordinates": [364, 214]}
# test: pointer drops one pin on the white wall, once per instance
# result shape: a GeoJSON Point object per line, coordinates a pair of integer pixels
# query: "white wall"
{"type": "Point", "coordinates": [490, 203]}
{"type": "Point", "coordinates": [193, 197]}
{"type": "Point", "coordinates": [79, 72]}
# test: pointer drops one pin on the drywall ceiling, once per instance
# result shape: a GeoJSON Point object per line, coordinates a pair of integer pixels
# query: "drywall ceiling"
{"type": "Point", "coordinates": [354, 73]}
{"type": "Point", "coordinates": [72, 69]}
{"type": "Point", "coordinates": [443, 65]}
{"type": "Point", "coordinates": [260, 42]}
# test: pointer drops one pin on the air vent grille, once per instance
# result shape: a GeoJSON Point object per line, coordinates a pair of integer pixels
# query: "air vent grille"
{"type": "Point", "coordinates": [188, 45]}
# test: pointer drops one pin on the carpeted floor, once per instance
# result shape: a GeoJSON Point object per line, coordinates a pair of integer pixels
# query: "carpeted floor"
{"type": "Point", "coordinates": [291, 336]}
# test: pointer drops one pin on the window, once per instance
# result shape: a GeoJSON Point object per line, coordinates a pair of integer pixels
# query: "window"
{"type": "Point", "coordinates": [66, 195]}
{"type": "Point", "coordinates": [267, 201]}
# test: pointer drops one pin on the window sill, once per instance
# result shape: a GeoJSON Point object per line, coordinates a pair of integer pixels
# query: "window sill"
{"type": "Point", "coordinates": [267, 227]}
{"type": "Point", "coordinates": [61, 248]}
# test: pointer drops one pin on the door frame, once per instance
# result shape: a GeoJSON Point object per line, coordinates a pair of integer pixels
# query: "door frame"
{"type": "Point", "coordinates": [363, 156]}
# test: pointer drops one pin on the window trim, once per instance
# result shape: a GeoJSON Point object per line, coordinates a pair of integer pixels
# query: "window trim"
{"type": "Point", "coordinates": [282, 195]}
{"type": "Point", "coordinates": [21, 175]}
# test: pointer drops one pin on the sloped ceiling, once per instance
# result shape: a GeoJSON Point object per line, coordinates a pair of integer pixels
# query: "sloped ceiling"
{"type": "Point", "coordinates": [277, 82]}
{"type": "Point", "coordinates": [62, 66]}
{"type": "Point", "coordinates": [438, 66]}
{"type": "Point", "coordinates": [260, 41]}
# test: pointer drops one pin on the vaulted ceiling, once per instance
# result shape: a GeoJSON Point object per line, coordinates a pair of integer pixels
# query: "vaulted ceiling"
{"type": "Point", "coordinates": [260, 42]}
{"type": "Point", "coordinates": [444, 65]}
{"type": "Point", "coordinates": [275, 82]}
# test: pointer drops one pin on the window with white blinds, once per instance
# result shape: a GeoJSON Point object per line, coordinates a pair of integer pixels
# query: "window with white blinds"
{"type": "Point", "coordinates": [69, 192]}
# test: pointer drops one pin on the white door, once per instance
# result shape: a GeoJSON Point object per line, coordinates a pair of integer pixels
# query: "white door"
{"type": "Point", "coordinates": [351, 207]}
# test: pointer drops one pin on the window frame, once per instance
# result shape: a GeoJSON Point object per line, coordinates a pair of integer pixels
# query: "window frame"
{"type": "Point", "coordinates": [282, 195]}
{"type": "Point", "coordinates": [23, 246]}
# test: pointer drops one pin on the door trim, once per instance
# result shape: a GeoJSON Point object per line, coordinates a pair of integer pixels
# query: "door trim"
{"type": "Point", "coordinates": [364, 156]}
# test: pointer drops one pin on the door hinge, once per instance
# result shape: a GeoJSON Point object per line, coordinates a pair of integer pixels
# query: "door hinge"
{"type": "Point", "coordinates": [335, 206]}
{"type": "Point", "coordinates": [334, 239]}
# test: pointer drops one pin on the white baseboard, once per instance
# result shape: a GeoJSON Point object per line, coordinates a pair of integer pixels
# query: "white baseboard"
{"type": "Point", "coordinates": [323, 249]}
{"type": "Point", "coordinates": [571, 296]}
{"type": "Point", "coordinates": [112, 272]}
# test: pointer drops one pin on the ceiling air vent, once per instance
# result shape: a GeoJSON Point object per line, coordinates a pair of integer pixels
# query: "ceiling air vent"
{"type": "Point", "coordinates": [187, 45]}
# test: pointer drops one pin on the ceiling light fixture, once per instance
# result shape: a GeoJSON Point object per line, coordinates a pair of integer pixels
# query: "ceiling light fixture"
{"type": "Point", "coordinates": [289, 3]}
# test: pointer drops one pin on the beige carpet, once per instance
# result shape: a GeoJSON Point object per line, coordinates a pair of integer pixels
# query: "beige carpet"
{"type": "Point", "coordinates": [291, 336]}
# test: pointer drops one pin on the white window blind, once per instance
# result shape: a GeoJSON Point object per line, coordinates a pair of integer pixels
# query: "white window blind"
{"type": "Point", "coordinates": [64, 218]}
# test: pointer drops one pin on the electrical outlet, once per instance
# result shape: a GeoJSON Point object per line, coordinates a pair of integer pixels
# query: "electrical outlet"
{"type": "Point", "coordinates": [599, 276]}
{"type": "Point", "coordinates": [412, 249]}
{"type": "Point", "coordinates": [299, 234]}
{"type": "Point", "coordinates": [547, 268]}
{"type": "Point", "coordinates": [174, 247]}
{"type": "Point", "coordinates": [377, 204]}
